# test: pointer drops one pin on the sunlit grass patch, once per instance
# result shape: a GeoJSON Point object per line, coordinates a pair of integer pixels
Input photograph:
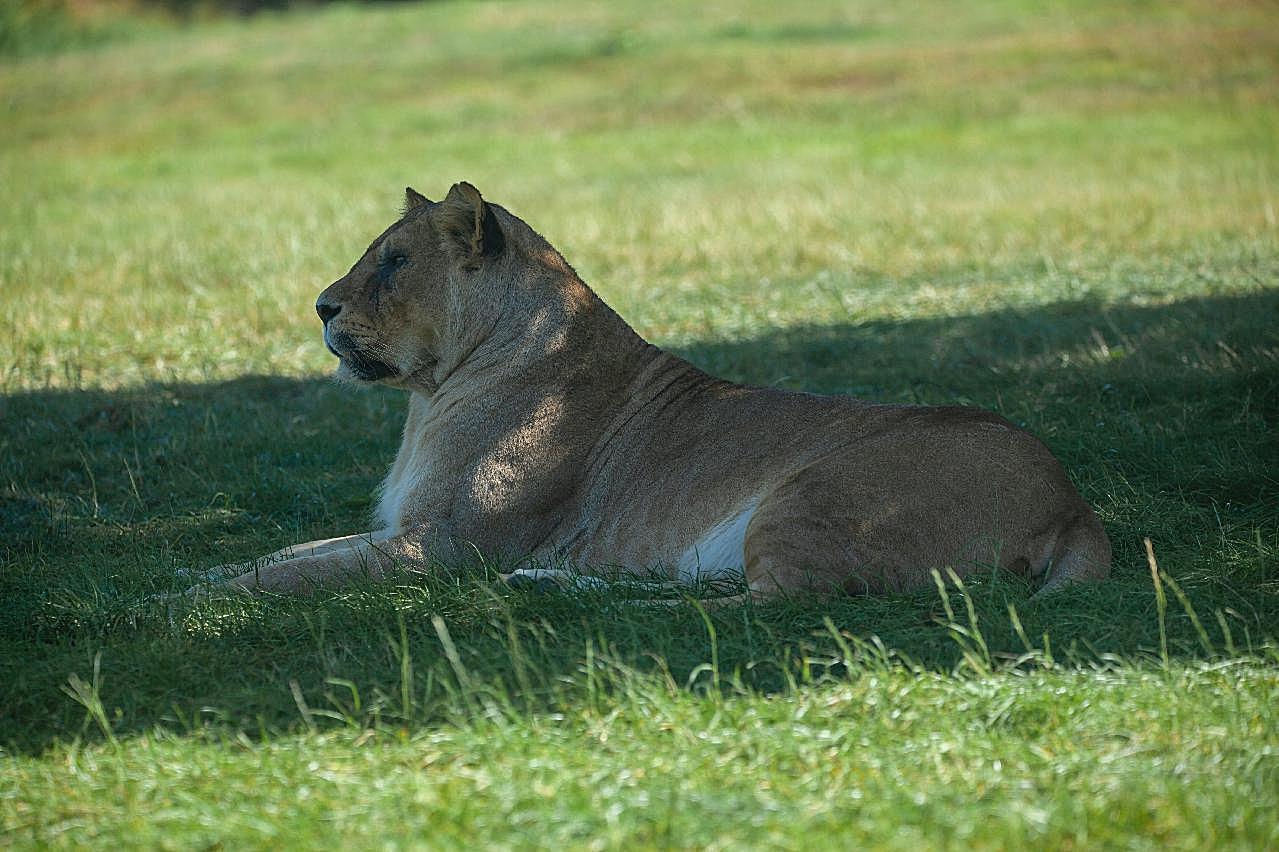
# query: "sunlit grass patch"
{"type": "Point", "coordinates": [880, 754]}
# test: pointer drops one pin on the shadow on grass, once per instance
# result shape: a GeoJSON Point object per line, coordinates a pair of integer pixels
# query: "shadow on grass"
{"type": "Point", "coordinates": [1164, 415]}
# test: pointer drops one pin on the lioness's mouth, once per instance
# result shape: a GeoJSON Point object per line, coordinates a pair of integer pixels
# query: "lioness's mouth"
{"type": "Point", "coordinates": [363, 366]}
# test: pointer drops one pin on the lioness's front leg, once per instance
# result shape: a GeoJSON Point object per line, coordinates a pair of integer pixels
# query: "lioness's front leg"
{"type": "Point", "coordinates": [335, 562]}
{"type": "Point", "coordinates": [310, 548]}
{"type": "Point", "coordinates": [324, 545]}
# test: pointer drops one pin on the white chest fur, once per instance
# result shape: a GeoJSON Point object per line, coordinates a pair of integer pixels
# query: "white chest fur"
{"type": "Point", "coordinates": [720, 552]}
{"type": "Point", "coordinates": [395, 489]}
{"type": "Point", "coordinates": [412, 464]}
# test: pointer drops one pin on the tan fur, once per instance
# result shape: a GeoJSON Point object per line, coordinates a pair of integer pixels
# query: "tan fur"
{"type": "Point", "coordinates": [542, 427]}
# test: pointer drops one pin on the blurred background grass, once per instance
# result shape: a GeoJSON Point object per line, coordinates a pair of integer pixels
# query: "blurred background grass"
{"type": "Point", "coordinates": [753, 163]}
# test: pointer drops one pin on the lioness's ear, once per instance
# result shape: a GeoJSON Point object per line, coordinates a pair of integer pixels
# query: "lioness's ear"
{"type": "Point", "coordinates": [413, 199]}
{"type": "Point", "coordinates": [470, 225]}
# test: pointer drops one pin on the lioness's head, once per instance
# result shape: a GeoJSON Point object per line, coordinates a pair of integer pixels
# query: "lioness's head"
{"type": "Point", "coordinates": [433, 283]}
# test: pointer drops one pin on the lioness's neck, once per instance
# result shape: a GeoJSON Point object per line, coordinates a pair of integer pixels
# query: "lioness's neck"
{"type": "Point", "coordinates": [553, 333]}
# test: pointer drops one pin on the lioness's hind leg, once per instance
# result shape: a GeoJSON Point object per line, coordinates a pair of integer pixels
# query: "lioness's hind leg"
{"type": "Point", "coordinates": [549, 579]}
{"type": "Point", "coordinates": [543, 580]}
{"type": "Point", "coordinates": [1081, 554]}
{"type": "Point", "coordinates": [802, 539]}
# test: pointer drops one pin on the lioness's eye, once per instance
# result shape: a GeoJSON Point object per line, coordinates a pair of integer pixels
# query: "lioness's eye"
{"type": "Point", "coordinates": [387, 265]}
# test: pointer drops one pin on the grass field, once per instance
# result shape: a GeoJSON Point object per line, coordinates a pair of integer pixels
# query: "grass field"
{"type": "Point", "coordinates": [1062, 212]}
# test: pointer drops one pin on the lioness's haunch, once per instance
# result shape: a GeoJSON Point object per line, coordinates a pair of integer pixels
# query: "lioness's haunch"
{"type": "Point", "coordinates": [542, 428]}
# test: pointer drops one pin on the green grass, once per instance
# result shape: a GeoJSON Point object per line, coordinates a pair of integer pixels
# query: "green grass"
{"type": "Point", "coordinates": [1062, 212]}
{"type": "Point", "coordinates": [892, 759]}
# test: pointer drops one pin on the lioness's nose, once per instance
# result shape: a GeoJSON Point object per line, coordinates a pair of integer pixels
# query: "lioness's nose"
{"type": "Point", "coordinates": [327, 311]}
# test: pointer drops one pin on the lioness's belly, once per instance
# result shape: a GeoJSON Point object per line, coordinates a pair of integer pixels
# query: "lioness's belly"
{"type": "Point", "coordinates": [720, 552]}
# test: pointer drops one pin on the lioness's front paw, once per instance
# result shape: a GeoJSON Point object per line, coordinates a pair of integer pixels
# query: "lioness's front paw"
{"type": "Point", "coordinates": [215, 575]}
{"type": "Point", "coordinates": [199, 593]}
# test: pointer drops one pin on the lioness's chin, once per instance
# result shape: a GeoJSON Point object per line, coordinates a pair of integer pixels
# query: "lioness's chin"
{"type": "Point", "coordinates": [364, 372]}
{"type": "Point", "coordinates": [345, 373]}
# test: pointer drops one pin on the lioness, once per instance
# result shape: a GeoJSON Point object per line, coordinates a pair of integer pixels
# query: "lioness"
{"type": "Point", "coordinates": [541, 426]}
